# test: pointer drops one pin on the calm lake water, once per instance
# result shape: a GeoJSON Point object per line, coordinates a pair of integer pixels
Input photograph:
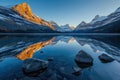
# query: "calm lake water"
{"type": "Point", "coordinates": [63, 50]}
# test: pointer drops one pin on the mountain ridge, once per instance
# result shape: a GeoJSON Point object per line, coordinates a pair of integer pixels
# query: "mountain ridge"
{"type": "Point", "coordinates": [102, 24]}
{"type": "Point", "coordinates": [20, 18]}
{"type": "Point", "coordinates": [25, 11]}
{"type": "Point", "coordinates": [11, 22]}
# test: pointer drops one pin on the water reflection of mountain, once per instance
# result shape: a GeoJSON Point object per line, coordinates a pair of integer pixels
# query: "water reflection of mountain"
{"type": "Point", "coordinates": [112, 40]}
{"type": "Point", "coordinates": [25, 46]}
{"type": "Point", "coordinates": [30, 50]}
{"type": "Point", "coordinates": [62, 38]}
{"type": "Point", "coordinates": [99, 46]}
{"type": "Point", "coordinates": [66, 39]}
{"type": "Point", "coordinates": [64, 51]}
{"type": "Point", "coordinates": [12, 45]}
{"type": "Point", "coordinates": [96, 44]}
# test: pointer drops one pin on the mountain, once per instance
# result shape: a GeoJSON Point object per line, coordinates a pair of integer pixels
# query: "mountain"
{"type": "Point", "coordinates": [55, 25]}
{"type": "Point", "coordinates": [24, 11]}
{"type": "Point", "coordinates": [82, 25]}
{"type": "Point", "coordinates": [98, 19]}
{"type": "Point", "coordinates": [103, 24]}
{"type": "Point", "coordinates": [20, 18]}
{"type": "Point", "coordinates": [66, 28]}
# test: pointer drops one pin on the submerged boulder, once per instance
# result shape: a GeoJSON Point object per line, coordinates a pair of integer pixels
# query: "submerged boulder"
{"type": "Point", "coordinates": [77, 71]}
{"type": "Point", "coordinates": [33, 67]}
{"type": "Point", "coordinates": [105, 58]}
{"type": "Point", "coordinates": [83, 59]}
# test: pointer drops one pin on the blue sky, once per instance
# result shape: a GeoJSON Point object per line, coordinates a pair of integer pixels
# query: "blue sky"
{"type": "Point", "coordinates": [68, 11]}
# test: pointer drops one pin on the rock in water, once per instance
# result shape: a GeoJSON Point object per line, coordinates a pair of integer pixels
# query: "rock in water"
{"type": "Point", "coordinates": [83, 59]}
{"type": "Point", "coordinates": [33, 67]}
{"type": "Point", "coordinates": [105, 58]}
{"type": "Point", "coordinates": [77, 71]}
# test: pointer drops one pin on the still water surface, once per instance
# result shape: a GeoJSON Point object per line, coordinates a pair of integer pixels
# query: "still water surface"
{"type": "Point", "coordinates": [63, 50]}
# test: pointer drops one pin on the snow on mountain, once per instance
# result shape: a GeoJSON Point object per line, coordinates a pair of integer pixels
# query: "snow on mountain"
{"type": "Point", "coordinates": [100, 21]}
{"type": "Point", "coordinates": [10, 21]}
{"type": "Point", "coordinates": [81, 25]}
{"type": "Point", "coordinates": [55, 25]}
{"type": "Point", "coordinates": [98, 18]}
{"type": "Point", "coordinates": [118, 10]}
{"type": "Point", "coordinates": [72, 27]}
{"type": "Point", "coordinates": [25, 11]}
{"type": "Point", "coordinates": [66, 28]}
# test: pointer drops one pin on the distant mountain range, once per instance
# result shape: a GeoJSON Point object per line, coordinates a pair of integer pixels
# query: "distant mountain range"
{"type": "Point", "coordinates": [62, 28]}
{"type": "Point", "coordinates": [101, 24]}
{"type": "Point", "coordinates": [20, 19]}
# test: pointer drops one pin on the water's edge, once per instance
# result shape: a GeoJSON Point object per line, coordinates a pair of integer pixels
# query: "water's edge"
{"type": "Point", "coordinates": [60, 34]}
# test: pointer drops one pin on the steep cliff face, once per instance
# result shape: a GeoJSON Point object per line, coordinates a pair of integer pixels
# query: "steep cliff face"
{"type": "Point", "coordinates": [25, 11]}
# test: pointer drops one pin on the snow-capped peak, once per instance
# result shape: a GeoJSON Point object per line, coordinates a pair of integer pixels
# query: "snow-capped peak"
{"type": "Point", "coordinates": [118, 10]}
{"type": "Point", "coordinates": [83, 23]}
{"type": "Point", "coordinates": [66, 27]}
{"type": "Point", "coordinates": [70, 26]}
{"type": "Point", "coordinates": [98, 18]}
{"type": "Point", "coordinates": [53, 23]}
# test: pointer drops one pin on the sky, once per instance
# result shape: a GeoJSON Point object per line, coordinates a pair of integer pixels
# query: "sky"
{"type": "Point", "coordinates": [68, 11]}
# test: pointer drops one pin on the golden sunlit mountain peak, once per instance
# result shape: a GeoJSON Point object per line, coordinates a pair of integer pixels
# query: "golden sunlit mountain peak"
{"type": "Point", "coordinates": [25, 11]}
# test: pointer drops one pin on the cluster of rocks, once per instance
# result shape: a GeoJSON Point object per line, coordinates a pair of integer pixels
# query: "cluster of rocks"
{"type": "Point", "coordinates": [84, 60]}
{"type": "Point", "coordinates": [34, 67]}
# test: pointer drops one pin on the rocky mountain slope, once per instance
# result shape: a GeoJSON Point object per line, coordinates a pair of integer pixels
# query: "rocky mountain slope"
{"type": "Point", "coordinates": [25, 11]}
{"type": "Point", "coordinates": [20, 19]}
{"type": "Point", "coordinates": [62, 28]}
{"type": "Point", "coordinates": [66, 28]}
{"type": "Point", "coordinates": [102, 24]}
{"type": "Point", "coordinates": [55, 25]}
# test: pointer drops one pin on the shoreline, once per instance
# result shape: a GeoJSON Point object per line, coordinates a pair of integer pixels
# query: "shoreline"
{"type": "Point", "coordinates": [72, 34]}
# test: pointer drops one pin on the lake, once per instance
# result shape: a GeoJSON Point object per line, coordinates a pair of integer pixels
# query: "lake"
{"type": "Point", "coordinates": [60, 52]}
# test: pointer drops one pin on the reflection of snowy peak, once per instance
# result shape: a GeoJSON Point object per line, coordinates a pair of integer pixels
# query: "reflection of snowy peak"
{"type": "Point", "coordinates": [66, 39]}
{"type": "Point", "coordinates": [98, 46]}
